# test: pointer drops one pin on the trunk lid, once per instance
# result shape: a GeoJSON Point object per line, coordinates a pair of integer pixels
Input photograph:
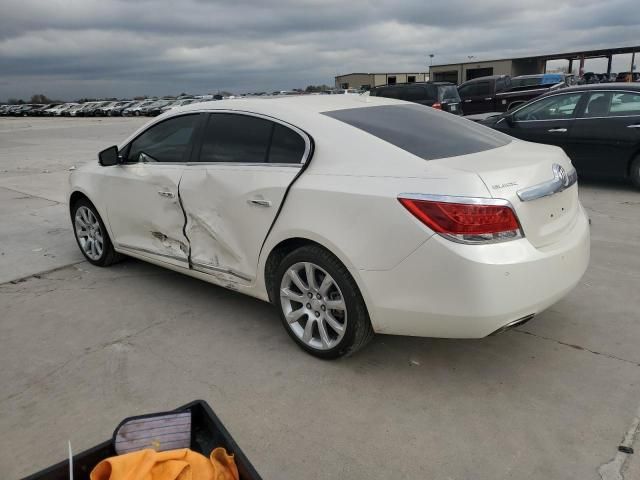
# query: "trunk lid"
{"type": "Point", "coordinates": [517, 166]}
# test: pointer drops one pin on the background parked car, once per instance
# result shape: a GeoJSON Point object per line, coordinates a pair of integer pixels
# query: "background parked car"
{"type": "Point", "coordinates": [500, 93]}
{"type": "Point", "coordinates": [136, 109]}
{"type": "Point", "coordinates": [628, 77]}
{"type": "Point", "coordinates": [118, 109]}
{"type": "Point", "coordinates": [439, 95]}
{"type": "Point", "coordinates": [154, 108]}
{"type": "Point", "coordinates": [598, 126]}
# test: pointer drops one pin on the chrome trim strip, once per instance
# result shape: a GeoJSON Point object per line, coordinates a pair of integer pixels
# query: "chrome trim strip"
{"type": "Point", "coordinates": [561, 181]}
{"type": "Point", "coordinates": [213, 268]}
{"type": "Point", "coordinates": [151, 252]}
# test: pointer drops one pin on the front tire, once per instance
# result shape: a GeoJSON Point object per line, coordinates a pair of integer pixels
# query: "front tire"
{"type": "Point", "coordinates": [320, 304]}
{"type": "Point", "coordinates": [634, 172]}
{"type": "Point", "coordinates": [91, 235]}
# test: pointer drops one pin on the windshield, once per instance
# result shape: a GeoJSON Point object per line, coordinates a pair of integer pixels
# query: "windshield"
{"type": "Point", "coordinates": [421, 130]}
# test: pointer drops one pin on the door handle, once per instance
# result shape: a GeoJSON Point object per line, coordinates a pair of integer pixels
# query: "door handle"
{"type": "Point", "coordinates": [557, 130]}
{"type": "Point", "coordinates": [259, 202]}
{"type": "Point", "coordinates": [467, 101]}
{"type": "Point", "coordinates": [637, 125]}
{"type": "Point", "coordinates": [488, 98]}
{"type": "Point", "coordinates": [166, 194]}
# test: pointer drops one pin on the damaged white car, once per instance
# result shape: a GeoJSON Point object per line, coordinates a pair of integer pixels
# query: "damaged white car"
{"type": "Point", "coordinates": [352, 215]}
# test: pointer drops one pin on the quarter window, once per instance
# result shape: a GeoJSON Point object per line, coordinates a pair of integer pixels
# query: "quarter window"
{"type": "Point", "coordinates": [168, 141]}
{"type": "Point", "coordinates": [287, 146]}
{"type": "Point", "coordinates": [550, 108]}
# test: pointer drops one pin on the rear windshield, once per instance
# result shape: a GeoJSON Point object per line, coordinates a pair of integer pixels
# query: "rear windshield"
{"type": "Point", "coordinates": [421, 130]}
{"type": "Point", "coordinates": [448, 93]}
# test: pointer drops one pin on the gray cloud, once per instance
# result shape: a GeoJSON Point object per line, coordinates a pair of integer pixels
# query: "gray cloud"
{"type": "Point", "coordinates": [74, 48]}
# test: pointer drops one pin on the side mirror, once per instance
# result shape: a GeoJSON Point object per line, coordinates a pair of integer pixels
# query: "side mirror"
{"type": "Point", "coordinates": [109, 157]}
{"type": "Point", "coordinates": [508, 117]}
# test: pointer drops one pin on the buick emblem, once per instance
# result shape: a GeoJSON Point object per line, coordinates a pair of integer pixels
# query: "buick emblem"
{"type": "Point", "coordinates": [560, 173]}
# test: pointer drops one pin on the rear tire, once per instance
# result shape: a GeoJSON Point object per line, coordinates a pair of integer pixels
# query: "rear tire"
{"type": "Point", "coordinates": [326, 317]}
{"type": "Point", "coordinates": [91, 235]}
{"type": "Point", "coordinates": [634, 171]}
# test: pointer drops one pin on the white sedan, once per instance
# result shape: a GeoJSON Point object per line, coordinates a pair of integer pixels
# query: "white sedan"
{"type": "Point", "coordinates": [351, 214]}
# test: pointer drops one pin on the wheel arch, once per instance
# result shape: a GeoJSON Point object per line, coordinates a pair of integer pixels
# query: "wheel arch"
{"type": "Point", "coordinates": [284, 246]}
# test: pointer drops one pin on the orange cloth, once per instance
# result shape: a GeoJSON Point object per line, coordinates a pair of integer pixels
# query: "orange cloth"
{"type": "Point", "coordinates": [182, 464]}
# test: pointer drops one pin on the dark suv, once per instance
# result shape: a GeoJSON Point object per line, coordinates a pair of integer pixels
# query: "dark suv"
{"type": "Point", "coordinates": [440, 95]}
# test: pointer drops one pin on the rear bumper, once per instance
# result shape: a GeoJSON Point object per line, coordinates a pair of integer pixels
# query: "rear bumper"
{"type": "Point", "coordinates": [451, 290]}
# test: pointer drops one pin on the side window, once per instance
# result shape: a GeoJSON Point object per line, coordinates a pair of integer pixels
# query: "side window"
{"type": "Point", "coordinates": [598, 104]}
{"type": "Point", "coordinates": [389, 92]}
{"type": "Point", "coordinates": [500, 85]}
{"type": "Point", "coordinates": [625, 104]}
{"type": "Point", "coordinates": [483, 88]}
{"type": "Point", "coordinates": [234, 138]}
{"type": "Point", "coordinates": [550, 108]}
{"type": "Point", "coordinates": [168, 141]}
{"type": "Point", "coordinates": [287, 146]}
{"type": "Point", "coordinates": [414, 94]}
{"type": "Point", "coordinates": [466, 91]}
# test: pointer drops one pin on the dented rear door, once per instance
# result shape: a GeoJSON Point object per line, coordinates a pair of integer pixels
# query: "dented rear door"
{"type": "Point", "coordinates": [233, 193]}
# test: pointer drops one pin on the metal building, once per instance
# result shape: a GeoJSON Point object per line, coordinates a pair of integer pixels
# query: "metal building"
{"type": "Point", "coordinates": [461, 72]}
{"type": "Point", "coordinates": [367, 81]}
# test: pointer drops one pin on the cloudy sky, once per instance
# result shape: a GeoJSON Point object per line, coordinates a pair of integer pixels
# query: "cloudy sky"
{"type": "Point", "coordinates": [75, 48]}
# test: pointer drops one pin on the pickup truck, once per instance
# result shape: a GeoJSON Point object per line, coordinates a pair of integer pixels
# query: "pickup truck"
{"type": "Point", "coordinates": [500, 93]}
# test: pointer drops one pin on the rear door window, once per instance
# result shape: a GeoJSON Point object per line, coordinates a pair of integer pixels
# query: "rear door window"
{"type": "Point", "coordinates": [238, 138]}
{"type": "Point", "coordinates": [421, 130]}
{"type": "Point", "coordinates": [234, 138]}
{"type": "Point", "coordinates": [625, 104]}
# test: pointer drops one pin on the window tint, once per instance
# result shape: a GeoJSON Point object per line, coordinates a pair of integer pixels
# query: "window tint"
{"type": "Point", "coordinates": [389, 92]}
{"type": "Point", "coordinates": [235, 138]}
{"type": "Point", "coordinates": [287, 146]}
{"type": "Point", "coordinates": [550, 108]}
{"type": "Point", "coordinates": [467, 91]}
{"type": "Point", "coordinates": [483, 88]}
{"type": "Point", "coordinates": [421, 130]}
{"type": "Point", "coordinates": [625, 104]}
{"type": "Point", "coordinates": [414, 94]}
{"type": "Point", "coordinates": [168, 141]}
{"type": "Point", "coordinates": [598, 104]}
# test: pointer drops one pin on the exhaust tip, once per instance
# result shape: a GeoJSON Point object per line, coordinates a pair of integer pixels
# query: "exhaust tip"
{"type": "Point", "coordinates": [513, 324]}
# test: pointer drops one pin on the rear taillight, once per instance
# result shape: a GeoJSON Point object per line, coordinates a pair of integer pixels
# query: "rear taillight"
{"type": "Point", "coordinates": [465, 220]}
{"type": "Point", "coordinates": [437, 106]}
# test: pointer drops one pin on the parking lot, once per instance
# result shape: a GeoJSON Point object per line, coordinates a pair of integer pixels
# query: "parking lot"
{"type": "Point", "coordinates": [84, 347]}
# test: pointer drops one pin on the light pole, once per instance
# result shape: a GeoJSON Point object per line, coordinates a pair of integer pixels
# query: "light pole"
{"type": "Point", "coordinates": [431, 55]}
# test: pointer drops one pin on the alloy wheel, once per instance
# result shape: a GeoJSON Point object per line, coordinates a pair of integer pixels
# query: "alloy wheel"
{"type": "Point", "coordinates": [313, 305]}
{"type": "Point", "coordinates": [89, 233]}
